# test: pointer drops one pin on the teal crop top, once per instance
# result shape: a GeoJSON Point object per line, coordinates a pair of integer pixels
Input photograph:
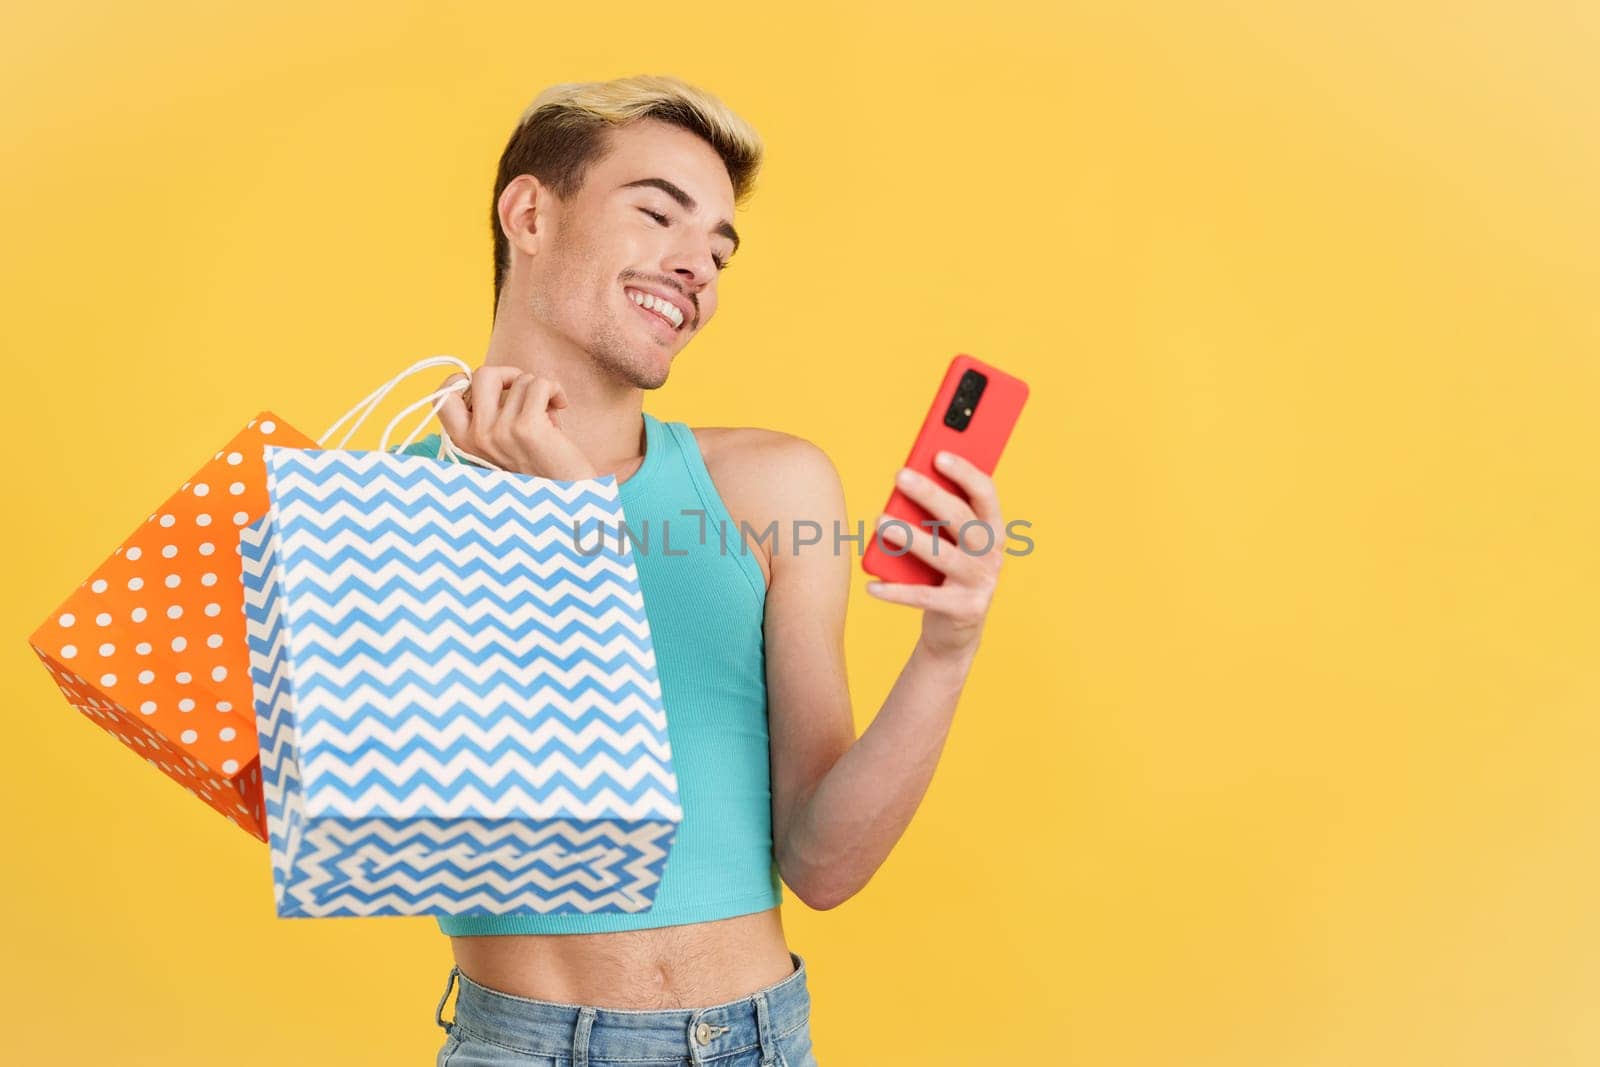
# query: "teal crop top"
{"type": "Point", "coordinates": [706, 606]}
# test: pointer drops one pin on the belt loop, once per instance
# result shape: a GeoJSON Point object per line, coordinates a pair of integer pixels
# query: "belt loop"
{"type": "Point", "coordinates": [438, 1013]}
{"type": "Point", "coordinates": [580, 1037]}
{"type": "Point", "coordinates": [769, 1045]}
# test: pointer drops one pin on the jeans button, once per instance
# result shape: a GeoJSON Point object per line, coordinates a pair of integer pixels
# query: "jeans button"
{"type": "Point", "coordinates": [702, 1033]}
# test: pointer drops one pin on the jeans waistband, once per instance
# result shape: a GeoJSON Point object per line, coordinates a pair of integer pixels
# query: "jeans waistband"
{"type": "Point", "coordinates": [549, 1028]}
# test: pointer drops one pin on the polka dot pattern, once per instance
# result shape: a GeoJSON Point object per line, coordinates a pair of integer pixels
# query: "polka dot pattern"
{"type": "Point", "coordinates": [157, 632]}
{"type": "Point", "coordinates": [238, 796]}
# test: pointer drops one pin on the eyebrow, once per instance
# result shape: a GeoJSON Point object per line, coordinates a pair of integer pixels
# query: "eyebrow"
{"type": "Point", "coordinates": [687, 202]}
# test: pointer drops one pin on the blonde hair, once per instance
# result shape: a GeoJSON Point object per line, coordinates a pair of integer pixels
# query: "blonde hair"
{"type": "Point", "coordinates": [565, 129]}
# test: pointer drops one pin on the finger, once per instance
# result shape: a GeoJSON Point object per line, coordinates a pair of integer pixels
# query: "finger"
{"type": "Point", "coordinates": [482, 396]}
{"type": "Point", "coordinates": [458, 381]}
{"type": "Point", "coordinates": [537, 403]}
{"type": "Point", "coordinates": [487, 385]}
{"type": "Point", "coordinates": [558, 401]}
{"type": "Point", "coordinates": [943, 556]}
{"type": "Point", "coordinates": [451, 411]}
{"type": "Point", "coordinates": [542, 390]}
{"type": "Point", "coordinates": [939, 502]}
{"type": "Point", "coordinates": [978, 539]}
{"type": "Point", "coordinates": [454, 417]}
{"type": "Point", "coordinates": [516, 401]}
{"type": "Point", "coordinates": [978, 486]}
{"type": "Point", "coordinates": [910, 594]}
{"type": "Point", "coordinates": [496, 374]}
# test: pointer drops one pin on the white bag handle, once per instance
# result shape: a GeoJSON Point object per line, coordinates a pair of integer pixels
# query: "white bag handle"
{"type": "Point", "coordinates": [447, 448]}
{"type": "Point", "coordinates": [374, 398]}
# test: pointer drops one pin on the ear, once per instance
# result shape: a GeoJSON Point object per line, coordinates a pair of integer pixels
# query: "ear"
{"type": "Point", "coordinates": [524, 210]}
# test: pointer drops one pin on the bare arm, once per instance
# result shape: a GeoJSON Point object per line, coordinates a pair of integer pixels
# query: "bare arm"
{"type": "Point", "coordinates": [841, 803]}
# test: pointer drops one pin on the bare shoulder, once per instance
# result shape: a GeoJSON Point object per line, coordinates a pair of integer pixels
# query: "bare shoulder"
{"type": "Point", "coordinates": [785, 472]}
{"type": "Point", "coordinates": [766, 476]}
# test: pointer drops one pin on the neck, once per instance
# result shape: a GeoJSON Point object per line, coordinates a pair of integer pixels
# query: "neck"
{"type": "Point", "coordinates": [603, 416]}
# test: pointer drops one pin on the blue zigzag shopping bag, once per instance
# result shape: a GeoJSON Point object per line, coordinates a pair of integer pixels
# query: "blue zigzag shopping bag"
{"type": "Point", "coordinates": [456, 694]}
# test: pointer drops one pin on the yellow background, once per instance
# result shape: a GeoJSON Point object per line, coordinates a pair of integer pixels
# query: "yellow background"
{"type": "Point", "coordinates": [1281, 746]}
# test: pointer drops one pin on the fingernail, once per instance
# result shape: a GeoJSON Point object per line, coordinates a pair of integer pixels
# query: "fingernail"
{"type": "Point", "coordinates": [906, 476]}
{"type": "Point", "coordinates": [942, 460]}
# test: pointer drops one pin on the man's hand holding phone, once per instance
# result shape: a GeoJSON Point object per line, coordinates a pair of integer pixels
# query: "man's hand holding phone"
{"type": "Point", "coordinates": [954, 610]}
{"type": "Point", "coordinates": [509, 416]}
{"type": "Point", "coordinates": [931, 548]}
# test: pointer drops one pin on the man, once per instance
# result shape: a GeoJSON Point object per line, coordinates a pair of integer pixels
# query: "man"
{"type": "Point", "coordinates": [612, 222]}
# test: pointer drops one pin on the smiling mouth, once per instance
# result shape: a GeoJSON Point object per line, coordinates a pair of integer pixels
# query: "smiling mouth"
{"type": "Point", "coordinates": [658, 309]}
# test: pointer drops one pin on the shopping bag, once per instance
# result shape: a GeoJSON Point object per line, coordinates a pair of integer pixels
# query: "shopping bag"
{"type": "Point", "coordinates": [151, 645]}
{"type": "Point", "coordinates": [456, 694]}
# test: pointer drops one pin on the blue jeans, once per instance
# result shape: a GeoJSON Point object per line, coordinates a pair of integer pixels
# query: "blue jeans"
{"type": "Point", "coordinates": [768, 1028]}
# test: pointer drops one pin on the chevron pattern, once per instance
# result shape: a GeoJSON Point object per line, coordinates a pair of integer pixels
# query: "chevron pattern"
{"type": "Point", "coordinates": [459, 711]}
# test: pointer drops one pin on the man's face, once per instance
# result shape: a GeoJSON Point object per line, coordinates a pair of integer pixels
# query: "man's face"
{"type": "Point", "coordinates": [654, 216]}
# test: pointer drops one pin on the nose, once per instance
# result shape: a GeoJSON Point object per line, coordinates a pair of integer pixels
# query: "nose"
{"type": "Point", "coordinates": [693, 267]}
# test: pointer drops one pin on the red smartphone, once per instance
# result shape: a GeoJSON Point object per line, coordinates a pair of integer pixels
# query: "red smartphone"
{"type": "Point", "coordinates": [972, 415]}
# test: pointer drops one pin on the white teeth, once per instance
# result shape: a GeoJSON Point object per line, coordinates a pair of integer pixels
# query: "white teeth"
{"type": "Point", "coordinates": [664, 308]}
